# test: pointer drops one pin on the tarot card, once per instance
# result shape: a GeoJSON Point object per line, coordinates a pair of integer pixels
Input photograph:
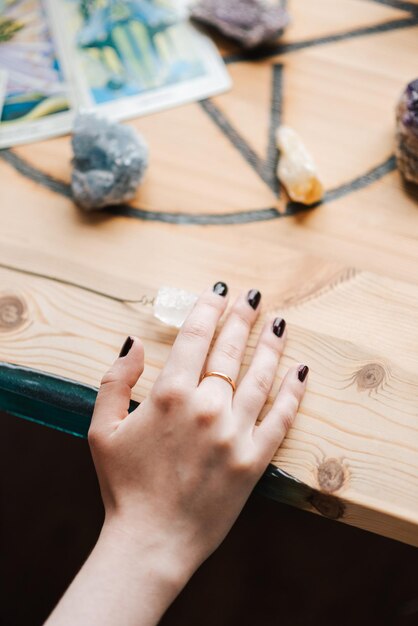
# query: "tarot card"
{"type": "Point", "coordinates": [36, 102]}
{"type": "Point", "coordinates": [132, 57]}
{"type": "Point", "coordinates": [3, 83]}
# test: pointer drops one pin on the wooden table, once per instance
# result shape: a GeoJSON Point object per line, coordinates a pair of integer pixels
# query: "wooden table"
{"type": "Point", "coordinates": [344, 275]}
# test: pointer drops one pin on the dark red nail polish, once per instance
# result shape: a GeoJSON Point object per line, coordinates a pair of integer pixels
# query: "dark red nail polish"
{"type": "Point", "coordinates": [278, 326]}
{"type": "Point", "coordinates": [303, 372]}
{"type": "Point", "coordinates": [253, 298]}
{"type": "Point", "coordinates": [221, 289]}
{"type": "Point", "coordinates": [126, 347]}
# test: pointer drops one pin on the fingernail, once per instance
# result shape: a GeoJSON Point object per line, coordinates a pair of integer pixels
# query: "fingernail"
{"type": "Point", "coordinates": [126, 347]}
{"type": "Point", "coordinates": [253, 298]}
{"type": "Point", "coordinates": [303, 372]}
{"type": "Point", "coordinates": [221, 289]}
{"type": "Point", "coordinates": [278, 326]}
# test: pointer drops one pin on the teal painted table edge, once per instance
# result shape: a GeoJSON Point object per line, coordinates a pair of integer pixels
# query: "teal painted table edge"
{"type": "Point", "coordinates": [67, 405]}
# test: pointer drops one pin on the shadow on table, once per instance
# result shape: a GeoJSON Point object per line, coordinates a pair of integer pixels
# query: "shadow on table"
{"type": "Point", "coordinates": [277, 567]}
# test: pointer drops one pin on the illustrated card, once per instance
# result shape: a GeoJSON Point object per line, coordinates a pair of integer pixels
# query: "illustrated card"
{"type": "Point", "coordinates": [124, 58]}
{"type": "Point", "coordinates": [132, 57]}
{"type": "Point", "coordinates": [3, 83]}
{"type": "Point", "coordinates": [36, 101]}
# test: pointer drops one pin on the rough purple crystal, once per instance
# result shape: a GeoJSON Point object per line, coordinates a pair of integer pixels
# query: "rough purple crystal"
{"type": "Point", "coordinates": [250, 22]}
{"type": "Point", "coordinates": [407, 132]}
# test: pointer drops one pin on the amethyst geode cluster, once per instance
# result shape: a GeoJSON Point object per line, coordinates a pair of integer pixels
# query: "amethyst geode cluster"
{"type": "Point", "coordinates": [407, 132]}
{"type": "Point", "coordinates": [250, 22]}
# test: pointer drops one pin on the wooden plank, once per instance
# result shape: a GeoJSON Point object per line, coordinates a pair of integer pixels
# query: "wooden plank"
{"type": "Point", "coordinates": [352, 411]}
{"type": "Point", "coordinates": [318, 19]}
{"type": "Point", "coordinates": [344, 275]}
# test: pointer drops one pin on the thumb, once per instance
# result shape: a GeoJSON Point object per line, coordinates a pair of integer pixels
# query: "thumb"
{"type": "Point", "coordinates": [112, 402]}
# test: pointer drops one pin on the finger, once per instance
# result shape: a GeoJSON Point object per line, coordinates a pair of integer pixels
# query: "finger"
{"type": "Point", "coordinates": [112, 403]}
{"type": "Point", "coordinates": [256, 385]}
{"type": "Point", "coordinates": [272, 430]}
{"type": "Point", "coordinates": [228, 350]}
{"type": "Point", "coordinates": [191, 346]}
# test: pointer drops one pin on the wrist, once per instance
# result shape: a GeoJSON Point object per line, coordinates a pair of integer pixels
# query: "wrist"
{"type": "Point", "coordinates": [130, 578]}
{"type": "Point", "coordinates": [141, 546]}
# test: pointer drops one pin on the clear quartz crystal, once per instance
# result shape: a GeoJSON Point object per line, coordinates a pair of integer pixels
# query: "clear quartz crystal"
{"type": "Point", "coordinates": [296, 169]}
{"type": "Point", "coordinates": [173, 305]}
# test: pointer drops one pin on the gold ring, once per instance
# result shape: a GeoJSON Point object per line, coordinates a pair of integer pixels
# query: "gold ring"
{"type": "Point", "coordinates": [220, 375]}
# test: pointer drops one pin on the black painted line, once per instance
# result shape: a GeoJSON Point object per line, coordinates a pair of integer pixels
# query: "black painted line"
{"type": "Point", "coordinates": [402, 5]}
{"type": "Point", "coordinates": [266, 53]}
{"type": "Point", "coordinates": [205, 219]}
{"type": "Point", "coordinates": [266, 169]}
{"type": "Point", "coordinates": [270, 165]}
{"type": "Point", "coordinates": [236, 139]}
{"type": "Point", "coordinates": [27, 170]}
{"type": "Point", "coordinates": [126, 210]}
{"type": "Point", "coordinates": [373, 175]}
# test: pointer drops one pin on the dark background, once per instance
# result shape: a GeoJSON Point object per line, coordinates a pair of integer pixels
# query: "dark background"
{"type": "Point", "coordinates": [278, 566]}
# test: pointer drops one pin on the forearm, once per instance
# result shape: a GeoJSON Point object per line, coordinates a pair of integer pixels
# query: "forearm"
{"type": "Point", "coordinates": [175, 472]}
{"type": "Point", "coordinates": [126, 580]}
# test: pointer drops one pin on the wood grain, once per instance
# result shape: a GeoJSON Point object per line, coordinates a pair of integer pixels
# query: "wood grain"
{"type": "Point", "coordinates": [318, 19]}
{"type": "Point", "coordinates": [344, 275]}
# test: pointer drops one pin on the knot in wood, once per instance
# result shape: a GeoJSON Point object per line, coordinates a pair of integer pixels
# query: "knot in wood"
{"type": "Point", "coordinates": [330, 475]}
{"type": "Point", "coordinates": [12, 312]}
{"type": "Point", "coordinates": [328, 506]}
{"type": "Point", "coordinates": [370, 376]}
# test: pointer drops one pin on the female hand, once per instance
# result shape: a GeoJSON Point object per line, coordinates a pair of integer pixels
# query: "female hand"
{"type": "Point", "coordinates": [182, 465]}
{"type": "Point", "coordinates": [175, 473]}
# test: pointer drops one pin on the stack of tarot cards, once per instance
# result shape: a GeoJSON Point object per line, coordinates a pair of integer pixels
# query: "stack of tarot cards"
{"type": "Point", "coordinates": [124, 58]}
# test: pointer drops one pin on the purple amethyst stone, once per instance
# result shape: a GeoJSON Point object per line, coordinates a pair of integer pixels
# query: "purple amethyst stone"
{"type": "Point", "coordinates": [407, 132]}
{"type": "Point", "coordinates": [250, 22]}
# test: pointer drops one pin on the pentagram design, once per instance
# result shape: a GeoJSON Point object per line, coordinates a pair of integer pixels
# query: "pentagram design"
{"type": "Point", "coordinates": [265, 168]}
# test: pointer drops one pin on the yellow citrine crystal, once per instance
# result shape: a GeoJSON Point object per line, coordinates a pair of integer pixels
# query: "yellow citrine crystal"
{"type": "Point", "coordinates": [296, 169]}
